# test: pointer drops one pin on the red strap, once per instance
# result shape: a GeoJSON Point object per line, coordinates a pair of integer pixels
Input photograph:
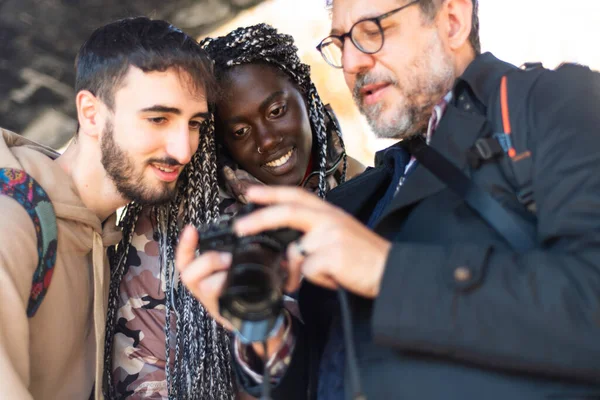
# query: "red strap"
{"type": "Point", "coordinates": [505, 114]}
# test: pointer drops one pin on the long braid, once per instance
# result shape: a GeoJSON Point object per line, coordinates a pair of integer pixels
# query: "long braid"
{"type": "Point", "coordinates": [119, 260]}
{"type": "Point", "coordinates": [262, 43]}
{"type": "Point", "coordinates": [198, 344]}
{"type": "Point", "coordinates": [200, 366]}
{"type": "Point", "coordinates": [336, 128]}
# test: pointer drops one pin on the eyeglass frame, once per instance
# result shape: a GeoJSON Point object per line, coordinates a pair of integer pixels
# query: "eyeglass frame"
{"type": "Point", "coordinates": [376, 20]}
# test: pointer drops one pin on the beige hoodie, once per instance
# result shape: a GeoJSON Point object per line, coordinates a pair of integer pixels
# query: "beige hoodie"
{"type": "Point", "coordinates": [57, 354]}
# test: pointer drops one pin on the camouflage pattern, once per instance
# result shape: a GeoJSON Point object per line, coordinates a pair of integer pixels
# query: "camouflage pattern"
{"type": "Point", "coordinates": [139, 341]}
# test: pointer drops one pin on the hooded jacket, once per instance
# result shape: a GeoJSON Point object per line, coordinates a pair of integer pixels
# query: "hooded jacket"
{"type": "Point", "coordinates": [58, 353]}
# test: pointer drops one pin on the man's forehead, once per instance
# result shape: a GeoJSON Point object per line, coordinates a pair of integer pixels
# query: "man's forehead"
{"type": "Point", "coordinates": [171, 82]}
{"type": "Point", "coordinates": [344, 13]}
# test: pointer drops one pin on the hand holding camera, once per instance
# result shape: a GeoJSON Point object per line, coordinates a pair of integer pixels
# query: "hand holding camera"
{"type": "Point", "coordinates": [335, 250]}
{"type": "Point", "coordinates": [252, 294]}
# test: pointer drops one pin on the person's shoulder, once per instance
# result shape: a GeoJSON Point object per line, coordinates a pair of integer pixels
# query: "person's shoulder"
{"type": "Point", "coordinates": [566, 81]}
{"type": "Point", "coordinates": [18, 252]}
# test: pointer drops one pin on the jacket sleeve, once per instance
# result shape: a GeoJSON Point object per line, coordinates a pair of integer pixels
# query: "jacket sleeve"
{"type": "Point", "coordinates": [539, 311]}
{"type": "Point", "coordinates": [18, 260]}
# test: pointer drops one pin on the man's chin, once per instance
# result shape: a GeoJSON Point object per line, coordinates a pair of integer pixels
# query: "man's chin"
{"type": "Point", "coordinates": [391, 129]}
{"type": "Point", "coordinates": [144, 196]}
{"type": "Point", "coordinates": [399, 124]}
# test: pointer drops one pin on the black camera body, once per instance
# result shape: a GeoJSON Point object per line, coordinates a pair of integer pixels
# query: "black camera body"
{"type": "Point", "coordinates": [252, 296]}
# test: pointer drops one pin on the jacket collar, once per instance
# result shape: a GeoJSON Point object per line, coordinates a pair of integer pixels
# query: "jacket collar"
{"type": "Point", "coordinates": [458, 129]}
{"type": "Point", "coordinates": [481, 77]}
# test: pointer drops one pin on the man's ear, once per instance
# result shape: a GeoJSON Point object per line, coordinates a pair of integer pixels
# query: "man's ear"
{"type": "Point", "coordinates": [459, 19]}
{"type": "Point", "coordinates": [89, 113]}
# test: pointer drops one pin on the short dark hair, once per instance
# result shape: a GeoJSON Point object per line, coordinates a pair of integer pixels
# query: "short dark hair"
{"type": "Point", "coordinates": [430, 8]}
{"type": "Point", "coordinates": [150, 45]}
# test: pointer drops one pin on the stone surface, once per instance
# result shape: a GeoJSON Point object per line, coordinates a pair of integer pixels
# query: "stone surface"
{"type": "Point", "coordinates": [40, 38]}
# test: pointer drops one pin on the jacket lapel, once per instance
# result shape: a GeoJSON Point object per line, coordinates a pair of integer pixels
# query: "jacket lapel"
{"type": "Point", "coordinates": [457, 132]}
{"type": "Point", "coordinates": [356, 193]}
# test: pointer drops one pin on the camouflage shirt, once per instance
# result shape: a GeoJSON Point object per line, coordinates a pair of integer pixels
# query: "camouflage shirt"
{"type": "Point", "coordinates": [139, 341]}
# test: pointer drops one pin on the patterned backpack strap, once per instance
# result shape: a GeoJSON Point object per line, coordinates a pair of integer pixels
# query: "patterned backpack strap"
{"type": "Point", "coordinates": [27, 192]}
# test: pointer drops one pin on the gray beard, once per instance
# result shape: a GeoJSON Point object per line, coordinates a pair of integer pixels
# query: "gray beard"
{"type": "Point", "coordinates": [411, 118]}
{"type": "Point", "coordinates": [402, 125]}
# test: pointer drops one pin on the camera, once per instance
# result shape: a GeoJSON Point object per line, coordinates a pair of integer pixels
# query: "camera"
{"type": "Point", "coordinates": [252, 297]}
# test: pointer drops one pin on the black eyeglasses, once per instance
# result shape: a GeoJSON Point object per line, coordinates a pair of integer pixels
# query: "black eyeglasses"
{"type": "Point", "coordinates": [366, 35]}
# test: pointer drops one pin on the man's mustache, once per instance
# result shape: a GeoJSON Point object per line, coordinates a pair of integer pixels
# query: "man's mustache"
{"type": "Point", "coordinates": [365, 79]}
{"type": "Point", "coordinates": [165, 161]}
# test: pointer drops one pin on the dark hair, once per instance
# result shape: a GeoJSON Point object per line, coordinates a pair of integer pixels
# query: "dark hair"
{"type": "Point", "coordinates": [430, 8]}
{"type": "Point", "coordinates": [150, 45]}
{"type": "Point", "coordinates": [262, 44]}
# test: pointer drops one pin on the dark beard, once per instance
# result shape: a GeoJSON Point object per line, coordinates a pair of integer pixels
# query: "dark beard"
{"type": "Point", "coordinates": [121, 170]}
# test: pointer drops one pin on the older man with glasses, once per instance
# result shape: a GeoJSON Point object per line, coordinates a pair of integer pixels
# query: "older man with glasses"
{"type": "Point", "coordinates": [459, 285]}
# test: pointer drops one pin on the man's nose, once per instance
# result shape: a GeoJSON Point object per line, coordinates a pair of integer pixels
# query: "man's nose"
{"type": "Point", "coordinates": [355, 61]}
{"type": "Point", "coordinates": [180, 144]}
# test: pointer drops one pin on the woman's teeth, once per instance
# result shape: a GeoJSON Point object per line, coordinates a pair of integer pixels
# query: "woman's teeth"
{"type": "Point", "coordinates": [280, 161]}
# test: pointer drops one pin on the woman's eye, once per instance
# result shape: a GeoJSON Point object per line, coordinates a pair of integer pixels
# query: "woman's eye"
{"type": "Point", "coordinates": [241, 132]}
{"type": "Point", "coordinates": [277, 112]}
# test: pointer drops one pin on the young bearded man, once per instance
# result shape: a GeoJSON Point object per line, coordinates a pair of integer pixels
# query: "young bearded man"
{"type": "Point", "coordinates": [141, 100]}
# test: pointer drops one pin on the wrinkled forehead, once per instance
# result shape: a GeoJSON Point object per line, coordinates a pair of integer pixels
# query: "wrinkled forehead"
{"type": "Point", "coordinates": [344, 13]}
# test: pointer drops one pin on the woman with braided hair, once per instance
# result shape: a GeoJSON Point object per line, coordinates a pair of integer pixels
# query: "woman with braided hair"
{"type": "Point", "coordinates": [271, 128]}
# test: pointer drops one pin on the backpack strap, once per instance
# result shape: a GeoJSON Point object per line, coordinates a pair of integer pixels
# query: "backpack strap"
{"type": "Point", "coordinates": [18, 185]}
{"type": "Point", "coordinates": [517, 233]}
{"type": "Point", "coordinates": [509, 142]}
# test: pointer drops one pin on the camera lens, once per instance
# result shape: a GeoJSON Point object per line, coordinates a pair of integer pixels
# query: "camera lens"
{"type": "Point", "coordinates": [252, 291]}
{"type": "Point", "coordinates": [251, 285]}
{"type": "Point", "coordinates": [254, 282]}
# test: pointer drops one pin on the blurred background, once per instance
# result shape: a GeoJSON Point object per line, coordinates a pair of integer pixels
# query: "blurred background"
{"type": "Point", "coordinates": [39, 40]}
